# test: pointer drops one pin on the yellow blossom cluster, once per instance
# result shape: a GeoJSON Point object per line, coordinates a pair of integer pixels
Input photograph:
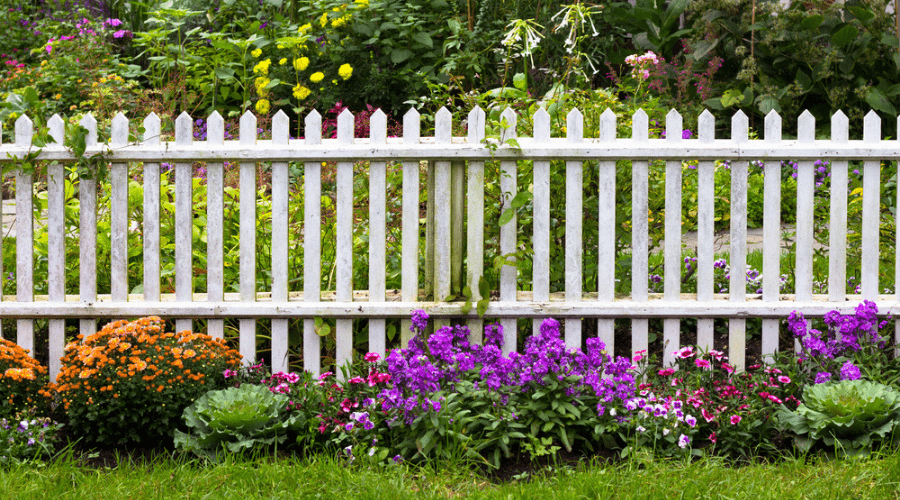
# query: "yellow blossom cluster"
{"type": "Point", "coordinates": [23, 380]}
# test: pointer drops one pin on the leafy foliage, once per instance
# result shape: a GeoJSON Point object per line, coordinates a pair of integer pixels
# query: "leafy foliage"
{"type": "Point", "coordinates": [235, 420]}
{"type": "Point", "coordinates": [129, 365]}
{"type": "Point", "coordinates": [850, 416]}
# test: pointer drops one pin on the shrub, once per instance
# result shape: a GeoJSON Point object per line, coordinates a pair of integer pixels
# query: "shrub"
{"type": "Point", "coordinates": [237, 419]}
{"type": "Point", "coordinates": [23, 381]}
{"type": "Point", "coordinates": [851, 416]}
{"type": "Point", "coordinates": [130, 382]}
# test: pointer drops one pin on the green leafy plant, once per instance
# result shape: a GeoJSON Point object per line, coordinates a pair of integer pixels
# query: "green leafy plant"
{"type": "Point", "coordinates": [850, 416]}
{"type": "Point", "coordinates": [129, 365]}
{"type": "Point", "coordinates": [236, 419]}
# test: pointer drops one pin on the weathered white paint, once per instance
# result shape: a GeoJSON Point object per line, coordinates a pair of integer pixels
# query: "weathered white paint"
{"type": "Point", "coordinates": [508, 231]}
{"type": "Point", "coordinates": [344, 304]}
{"type": "Point", "coordinates": [87, 265]}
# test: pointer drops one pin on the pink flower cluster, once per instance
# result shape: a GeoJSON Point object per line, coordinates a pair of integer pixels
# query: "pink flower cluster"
{"type": "Point", "coordinates": [642, 64]}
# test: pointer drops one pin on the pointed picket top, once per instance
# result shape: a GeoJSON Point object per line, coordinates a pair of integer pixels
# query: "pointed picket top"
{"type": "Point", "coordinates": [477, 118]}
{"type": "Point", "coordinates": [674, 126]}
{"type": "Point", "coordinates": [541, 127]}
{"type": "Point", "coordinates": [806, 127]}
{"type": "Point", "coordinates": [740, 127]}
{"type": "Point", "coordinates": [872, 127]}
{"type": "Point", "coordinates": [119, 130]}
{"type": "Point", "coordinates": [443, 126]}
{"type": "Point", "coordinates": [378, 127]}
{"type": "Point", "coordinates": [281, 128]}
{"type": "Point", "coordinates": [312, 128]}
{"type": "Point", "coordinates": [90, 123]}
{"type": "Point", "coordinates": [248, 128]}
{"type": "Point", "coordinates": [215, 129]}
{"type": "Point", "coordinates": [840, 127]}
{"type": "Point", "coordinates": [772, 127]}
{"type": "Point", "coordinates": [151, 130]}
{"type": "Point", "coordinates": [184, 128]}
{"type": "Point", "coordinates": [57, 129]}
{"type": "Point", "coordinates": [345, 126]}
{"type": "Point", "coordinates": [640, 123]}
{"type": "Point", "coordinates": [575, 126]}
{"type": "Point", "coordinates": [608, 126]}
{"type": "Point", "coordinates": [706, 126]}
{"type": "Point", "coordinates": [412, 127]}
{"type": "Point", "coordinates": [509, 117]}
{"type": "Point", "coordinates": [24, 131]}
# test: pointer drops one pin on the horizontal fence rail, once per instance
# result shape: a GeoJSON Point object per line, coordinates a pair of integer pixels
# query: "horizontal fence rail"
{"type": "Point", "coordinates": [454, 192]}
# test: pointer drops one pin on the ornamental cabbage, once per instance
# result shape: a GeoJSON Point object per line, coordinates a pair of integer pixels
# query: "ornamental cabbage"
{"type": "Point", "coordinates": [236, 419]}
{"type": "Point", "coordinates": [851, 416]}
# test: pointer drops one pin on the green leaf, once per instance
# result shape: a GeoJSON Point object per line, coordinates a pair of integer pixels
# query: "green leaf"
{"type": "Point", "coordinates": [400, 55]}
{"type": "Point", "coordinates": [880, 102]}
{"type": "Point", "coordinates": [520, 199]}
{"type": "Point", "coordinates": [520, 81]}
{"type": "Point", "coordinates": [506, 216]}
{"type": "Point", "coordinates": [861, 13]}
{"type": "Point", "coordinates": [423, 38]}
{"type": "Point", "coordinates": [812, 22]}
{"type": "Point", "coordinates": [844, 36]}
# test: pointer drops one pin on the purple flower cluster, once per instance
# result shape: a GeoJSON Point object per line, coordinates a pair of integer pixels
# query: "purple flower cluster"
{"type": "Point", "coordinates": [429, 366]}
{"type": "Point", "coordinates": [847, 335]}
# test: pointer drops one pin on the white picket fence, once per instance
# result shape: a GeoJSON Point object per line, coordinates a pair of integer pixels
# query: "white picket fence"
{"type": "Point", "coordinates": [454, 159]}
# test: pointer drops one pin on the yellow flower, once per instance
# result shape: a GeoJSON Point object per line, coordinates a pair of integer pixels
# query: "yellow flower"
{"type": "Point", "coordinates": [301, 64]}
{"type": "Point", "coordinates": [303, 29]}
{"type": "Point", "coordinates": [256, 53]}
{"type": "Point", "coordinates": [103, 80]}
{"type": "Point", "coordinates": [58, 96]}
{"type": "Point", "coordinates": [338, 22]}
{"type": "Point", "coordinates": [361, 4]}
{"type": "Point", "coordinates": [301, 92]}
{"type": "Point", "coordinates": [262, 106]}
{"type": "Point", "coordinates": [283, 61]}
{"type": "Point", "coordinates": [263, 67]}
{"type": "Point", "coordinates": [261, 83]}
{"type": "Point", "coordinates": [317, 77]}
{"type": "Point", "coordinates": [345, 71]}
{"type": "Point", "coordinates": [13, 115]}
{"type": "Point", "coordinates": [324, 20]}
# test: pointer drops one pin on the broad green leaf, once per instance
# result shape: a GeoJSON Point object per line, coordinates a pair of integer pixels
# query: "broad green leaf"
{"type": "Point", "coordinates": [400, 55]}
{"type": "Point", "coordinates": [880, 102]}
{"type": "Point", "coordinates": [812, 22]}
{"type": "Point", "coordinates": [423, 38]}
{"type": "Point", "coordinates": [844, 36]}
{"type": "Point", "coordinates": [520, 81]}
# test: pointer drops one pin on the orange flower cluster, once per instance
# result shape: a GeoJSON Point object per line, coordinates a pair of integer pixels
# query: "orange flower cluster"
{"type": "Point", "coordinates": [138, 369]}
{"type": "Point", "coordinates": [23, 381]}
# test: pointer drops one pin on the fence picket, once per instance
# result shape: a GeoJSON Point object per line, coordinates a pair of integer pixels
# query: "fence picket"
{"type": "Point", "coordinates": [118, 212]}
{"type": "Point", "coordinates": [344, 239]}
{"type": "Point", "coordinates": [606, 247]}
{"type": "Point", "coordinates": [410, 221]}
{"type": "Point", "coordinates": [247, 264]}
{"type": "Point", "coordinates": [508, 231]}
{"type": "Point", "coordinates": [771, 234]}
{"type": "Point", "coordinates": [541, 239]}
{"type": "Point", "coordinates": [312, 242]}
{"type": "Point", "coordinates": [377, 231]}
{"type": "Point", "coordinates": [441, 218]}
{"type": "Point", "coordinates": [737, 287]}
{"type": "Point", "coordinates": [184, 221]}
{"type": "Point", "coordinates": [806, 133]}
{"type": "Point", "coordinates": [837, 240]}
{"type": "Point", "coordinates": [215, 208]}
{"type": "Point", "coordinates": [87, 196]}
{"type": "Point", "coordinates": [24, 237]}
{"type": "Point", "coordinates": [672, 251]}
{"type": "Point", "coordinates": [56, 246]}
{"type": "Point", "coordinates": [280, 241]}
{"type": "Point", "coordinates": [151, 212]}
{"type": "Point", "coordinates": [639, 231]}
{"type": "Point", "coordinates": [574, 217]}
{"type": "Point", "coordinates": [475, 221]}
{"type": "Point", "coordinates": [871, 226]}
{"type": "Point", "coordinates": [706, 213]}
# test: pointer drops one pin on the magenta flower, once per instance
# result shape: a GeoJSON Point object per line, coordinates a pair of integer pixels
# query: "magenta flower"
{"type": "Point", "coordinates": [735, 419]}
{"type": "Point", "coordinates": [665, 372]}
{"type": "Point", "coordinates": [784, 379]}
{"type": "Point", "coordinates": [684, 352]}
{"type": "Point", "coordinates": [702, 363]}
{"type": "Point", "coordinates": [372, 357]}
{"type": "Point", "coordinates": [683, 441]}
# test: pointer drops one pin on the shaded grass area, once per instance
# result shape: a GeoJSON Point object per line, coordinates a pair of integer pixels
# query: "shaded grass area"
{"type": "Point", "coordinates": [325, 477]}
